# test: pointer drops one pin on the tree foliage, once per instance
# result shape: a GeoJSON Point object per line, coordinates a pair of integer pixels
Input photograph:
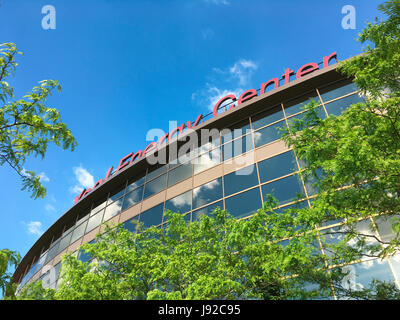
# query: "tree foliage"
{"type": "Point", "coordinates": [8, 259]}
{"type": "Point", "coordinates": [27, 125]}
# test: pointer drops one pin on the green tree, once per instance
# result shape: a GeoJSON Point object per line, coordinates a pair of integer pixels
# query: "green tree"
{"type": "Point", "coordinates": [27, 125]}
{"type": "Point", "coordinates": [8, 259]}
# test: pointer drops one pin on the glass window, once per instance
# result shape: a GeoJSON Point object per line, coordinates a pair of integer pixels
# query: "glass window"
{"type": "Point", "coordinates": [338, 106]}
{"type": "Point", "coordinates": [78, 232]}
{"type": "Point", "coordinates": [206, 210]}
{"type": "Point", "coordinates": [155, 186]}
{"type": "Point", "coordinates": [332, 92]}
{"type": "Point", "coordinates": [207, 160]}
{"type": "Point", "coordinates": [267, 117]}
{"type": "Point", "coordinates": [295, 106]}
{"type": "Point", "coordinates": [361, 274]}
{"type": "Point", "coordinates": [129, 225]}
{"type": "Point", "coordinates": [235, 131]}
{"type": "Point", "coordinates": [83, 215]}
{"type": "Point", "coordinates": [240, 180]}
{"type": "Point", "coordinates": [113, 209]}
{"type": "Point", "coordinates": [320, 113]}
{"type": "Point", "coordinates": [297, 205]}
{"type": "Point", "coordinates": [211, 143]}
{"type": "Point", "coordinates": [277, 166]}
{"type": "Point", "coordinates": [41, 261]}
{"type": "Point", "coordinates": [117, 193]}
{"type": "Point", "coordinates": [152, 217]}
{"type": "Point", "coordinates": [181, 203]}
{"type": "Point", "coordinates": [64, 242]}
{"type": "Point", "coordinates": [244, 204]}
{"type": "Point", "coordinates": [134, 183]}
{"type": "Point", "coordinates": [384, 225]}
{"type": "Point", "coordinates": [132, 198]}
{"type": "Point", "coordinates": [268, 134]}
{"type": "Point", "coordinates": [156, 172]}
{"type": "Point", "coordinates": [237, 147]}
{"type": "Point", "coordinates": [180, 173]}
{"type": "Point", "coordinates": [284, 190]}
{"type": "Point", "coordinates": [52, 251]}
{"type": "Point", "coordinates": [94, 221]}
{"type": "Point", "coordinates": [98, 205]}
{"type": "Point", "coordinates": [207, 193]}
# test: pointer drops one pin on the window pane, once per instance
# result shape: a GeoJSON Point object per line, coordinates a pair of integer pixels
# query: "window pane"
{"type": "Point", "coordinates": [338, 106]}
{"type": "Point", "coordinates": [235, 131]}
{"type": "Point", "coordinates": [295, 106]}
{"type": "Point", "coordinates": [207, 160]}
{"type": "Point", "coordinates": [268, 134]}
{"type": "Point", "coordinates": [244, 204]}
{"type": "Point", "coordinates": [132, 198]}
{"type": "Point", "coordinates": [98, 205]}
{"type": "Point", "coordinates": [332, 92]}
{"type": "Point", "coordinates": [64, 242]}
{"type": "Point", "coordinates": [113, 209]}
{"type": "Point", "coordinates": [267, 117]}
{"type": "Point", "coordinates": [152, 217]}
{"type": "Point", "coordinates": [284, 190]}
{"type": "Point", "coordinates": [129, 225]}
{"type": "Point", "coordinates": [361, 274]}
{"type": "Point", "coordinates": [155, 186]}
{"type": "Point", "coordinates": [78, 232]}
{"type": "Point", "coordinates": [180, 173]}
{"type": "Point", "coordinates": [237, 147]}
{"type": "Point", "coordinates": [240, 180]}
{"type": "Point", "coordinates": [277, 166]}
{"type": "Point", "coordinates": [94, 221]}
{"type": "Point", "coordinates": [180, 204]}
{"type": "Point", "coordinates": [117, 193]}
{"type": "Point", "coordinates": [207, 193]}
{"type": "Point", "coordinates": [52, 251]}
{"type": "Point", "coordinates": [206, 210]}
{"type": "Point", "coordinates": [320, 113]}
{"type": "Point", "coordinates": [156, 172]}
{"type": "Point", "coordinates": [384, 225]}
{"type": "Point", "coordinates": [134, 183]}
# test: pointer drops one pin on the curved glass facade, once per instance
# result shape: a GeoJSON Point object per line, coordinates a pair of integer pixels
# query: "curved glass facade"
{"type": "Point", "coordinates": [213, 177]}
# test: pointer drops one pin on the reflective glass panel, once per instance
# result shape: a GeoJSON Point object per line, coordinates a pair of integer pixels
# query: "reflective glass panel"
{"type": "Point", "coordinates": [180, 173]}
{"type": "Point", "coordinates": [132, 198]}
{"type": "Point", "coordinates": [268, 134]}
{"type": "Point", "coordinates": [155, 186]}
{"type": "Point", "coordinates": [181, 203]}
{"type": "Point", "coordinates": [78, 232]}
{"type": "Point", "coordinates": [338, 106]}
{"type": "Point", "coordinates": [267, 117]}
{"type": "Point", "coordinates": [152, 217]}
{"type": "Point", "coordinates": [117, 193]}
{"type": "Point", "coordinates": [207, 160]}
{"type": "Point", "coordinates": [235, 131]}
{"type": "Point", "coordinates": [113, 209]}
{"type": "Point", "coordinates": [244, 204]}
{"type": "Point", "coordinates": [332, 92]}
{"type": "Point", "coordinates": [277, 166]}
{"type": "Point", "coordinates": [207, 193]}
{"type": "Point", "coordinates": [134, 183]}
{"type": "Point", "coordinates": [320, 113]}
{"type": "Point", "coordinates": [237, 147]}
{"type": "Point", "coordinates": [240, 180]}
{"type": "Point", "coordinates": [295, 106]}
{"type": "Point", "coordinates": [206, 210]}
{"type": "Point", "coordinates": [64, 242]}
{"type": "Point", "coordinates": [129, 225]}
{"type": "Point", "coordinates": [284, 190]}
{"type": "Point", "coordinates": [94, 221]}
{"type": "Point", "coordinates": [156, 172]}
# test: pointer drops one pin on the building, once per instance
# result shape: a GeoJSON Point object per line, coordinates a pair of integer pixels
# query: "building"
{"type": "Point", "coordinates": [241, 160]}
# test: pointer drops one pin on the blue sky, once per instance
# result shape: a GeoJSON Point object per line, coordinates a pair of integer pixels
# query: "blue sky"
{"type": "Point", "coordinates": [130, 66]}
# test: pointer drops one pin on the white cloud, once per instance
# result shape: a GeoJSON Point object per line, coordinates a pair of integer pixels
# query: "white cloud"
{"type": "Point", "coordinates": [226, 81]}
{"type": "Point", "coordinates": [85, 180]}
{"type": "Point", "coordinates": [43, 177]}
{"type": "Point", "coordinates": [218, 2]}
{"type": "Point", "coordinates": [34, 227]}
{"type": "Point", "coordinates": [243, 70]}
{"type": "Point", "coordinates": [49, 207]}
